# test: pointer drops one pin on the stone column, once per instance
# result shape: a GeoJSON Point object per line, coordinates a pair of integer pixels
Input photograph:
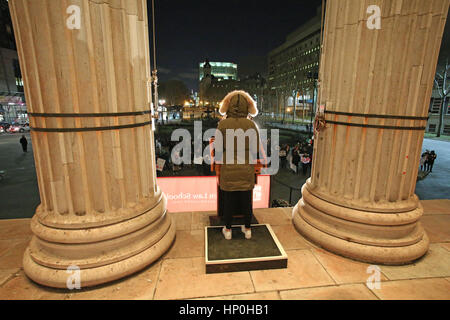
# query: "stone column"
{"type": "Point", "coordinates": [376, 85]}
{"type": "Point", "coordinates": [86, 70]}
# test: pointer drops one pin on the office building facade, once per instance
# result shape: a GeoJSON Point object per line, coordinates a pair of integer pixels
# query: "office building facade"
{"type": "Point", "coordinates": [435, 107]}
{"type": "Point", "coordinates": [292, 68]}
{"type": "Point", "coordinates": [213, 89]}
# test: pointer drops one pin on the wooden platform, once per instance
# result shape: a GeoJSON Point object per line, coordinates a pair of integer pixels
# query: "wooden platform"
{"type": "Point", "coordinates": [262, 251]}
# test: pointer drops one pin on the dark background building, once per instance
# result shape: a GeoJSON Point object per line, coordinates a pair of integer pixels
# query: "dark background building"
{"type": "Point", "coordinates": [12, 98]}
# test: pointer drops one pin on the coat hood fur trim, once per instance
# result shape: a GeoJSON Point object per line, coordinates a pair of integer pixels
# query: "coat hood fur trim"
{"type": "Point", "coordinates": [225, 104]}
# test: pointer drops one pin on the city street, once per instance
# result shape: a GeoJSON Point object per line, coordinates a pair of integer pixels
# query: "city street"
{"type": "Point", "coordinates": [19, 194]}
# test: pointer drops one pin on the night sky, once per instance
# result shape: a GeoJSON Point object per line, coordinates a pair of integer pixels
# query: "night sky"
{"type": "Point", "coordinates": [239, 31]}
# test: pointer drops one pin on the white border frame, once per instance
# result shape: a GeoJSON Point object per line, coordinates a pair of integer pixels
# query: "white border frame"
{"type": "Point", "coordinates": [241, 260]}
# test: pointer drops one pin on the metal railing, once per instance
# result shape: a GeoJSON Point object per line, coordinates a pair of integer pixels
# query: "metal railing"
{"type": "Point", "coordinates": [291, 188]}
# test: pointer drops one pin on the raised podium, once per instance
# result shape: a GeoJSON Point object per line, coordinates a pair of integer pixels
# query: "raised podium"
{"type": "Point", "coordinates": [262, 251]}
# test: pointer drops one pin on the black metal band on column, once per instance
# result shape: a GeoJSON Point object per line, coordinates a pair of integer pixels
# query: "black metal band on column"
{"type": "Point", "coordinates": [126, 126]}
{"type": "Point", "coordinates": [374, 126]}
{"type": "Point", "coordinates": [379, 116]}
{"type": "Point", "coordinates": [88, 115]}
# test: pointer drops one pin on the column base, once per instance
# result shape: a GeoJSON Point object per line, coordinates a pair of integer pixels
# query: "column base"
{"type": "Point", "coordinates": [376, 238]}
{"type": "Point", "coordinates": [129, 247]}
{"type": "Point", "coordinates": [95, 276]}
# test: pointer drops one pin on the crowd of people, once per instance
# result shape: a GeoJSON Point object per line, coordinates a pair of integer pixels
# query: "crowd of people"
{"type": "Point", "coordinates": [167, 166]}
{"type": "Point", "coordinates": [298, 156]}
{"type": "Point", "coordinates": [427, 160]}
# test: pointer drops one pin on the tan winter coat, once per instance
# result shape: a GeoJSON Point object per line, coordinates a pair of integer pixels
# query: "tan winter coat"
{"type": "Point", "coordinates": [237, 106]}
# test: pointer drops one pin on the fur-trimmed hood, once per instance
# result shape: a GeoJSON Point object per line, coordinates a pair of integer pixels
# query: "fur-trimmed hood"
{"type": "Point", "coordinates": [238, 104]}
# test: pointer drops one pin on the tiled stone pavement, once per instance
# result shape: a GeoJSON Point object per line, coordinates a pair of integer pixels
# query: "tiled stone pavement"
{"type": "Point", "coordinates": [312, 272]}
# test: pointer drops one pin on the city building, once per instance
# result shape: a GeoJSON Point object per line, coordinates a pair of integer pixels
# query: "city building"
{"type": "Point", "coordinates": [213, 89]}
{"type": "Point", "coordinates": [292, 69]}
{"type": "Point", "coordinates": [220, 70]}
{"type": "Point", "coordinates": [434, 111]}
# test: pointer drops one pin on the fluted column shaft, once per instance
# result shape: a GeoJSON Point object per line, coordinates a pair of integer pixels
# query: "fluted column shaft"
{"type": "Point", "coordinates": [88, 97]}
{"type": "Point", "coordinates": [375, 85]}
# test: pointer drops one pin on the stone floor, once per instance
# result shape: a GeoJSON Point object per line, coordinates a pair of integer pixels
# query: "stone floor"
{"type": "Point", "coordinates": [312, 273]}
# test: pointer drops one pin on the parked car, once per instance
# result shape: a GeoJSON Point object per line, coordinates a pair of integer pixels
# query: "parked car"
{"type": "Point", "coordinates": [4, 126]}
{"type": "Point", "coordinates": [18, 128]}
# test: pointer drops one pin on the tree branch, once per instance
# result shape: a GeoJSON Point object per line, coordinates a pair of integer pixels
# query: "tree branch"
{"type": "Point", "coordinates": [439, 90]}
{"type": "Point", "coordinates": [446, 92]}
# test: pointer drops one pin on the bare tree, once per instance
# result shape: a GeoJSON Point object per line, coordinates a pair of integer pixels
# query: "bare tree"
{"type": "Point", "coordinates": [443, 91]}
{"type": "Point", "coordinates": [174, 92]}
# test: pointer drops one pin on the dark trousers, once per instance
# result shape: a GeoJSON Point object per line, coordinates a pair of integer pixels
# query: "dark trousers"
{"type": "Point", "coordinates": [283, 162]}
{"type": "Point", "coordinates": [24, 147]}
{"type": "Point", "coordinates": [237, 203]}
{"type": "Point", "coordinates": [304, 167]}
{"type": "Point", "coordinates": [297, 167]}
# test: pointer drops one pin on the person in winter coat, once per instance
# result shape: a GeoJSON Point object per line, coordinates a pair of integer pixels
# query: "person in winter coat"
{"type": "Point", "coordinates": [23, 141]}
{"type": "Point", "coordinates": [430, 160]}
{"type": "Point", "coordinates": [283, 156]}
{"type": "Point", "coordinates": [296, 157]}
{"type": "Point", "coordinates": [423, 160]}
{"type": "Point", "coordinates": [306, 161]}
{"type": "Point", "coordinates": [237, 177]}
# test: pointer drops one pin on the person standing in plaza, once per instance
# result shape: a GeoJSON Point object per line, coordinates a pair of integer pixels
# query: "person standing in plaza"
{"type": "Point", "coordinates": [306, 160]}
{"type": "Point", "coordinates": [431, 157]}
{"type": "Point", "coordinates": [296, 157]}
{"type": "Point", "coordinates": [423, 161]}
{"type": "Point", "coordinates": [24, 143]}
{"type": "Point", "coordinates": [283, 156]}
